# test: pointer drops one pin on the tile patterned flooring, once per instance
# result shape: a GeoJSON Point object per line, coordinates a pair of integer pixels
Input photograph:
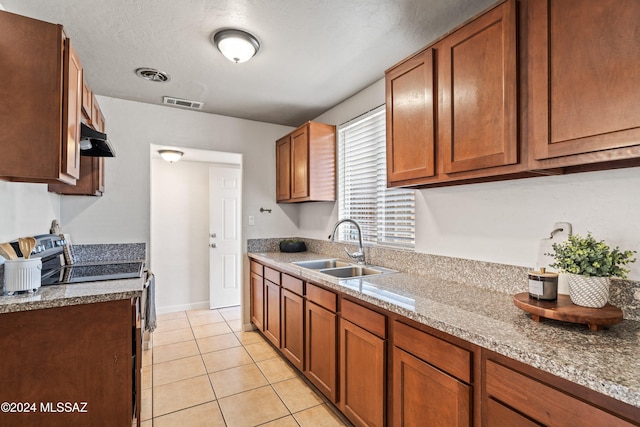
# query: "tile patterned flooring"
{"type": "Point", "coordinates": [202, 370]}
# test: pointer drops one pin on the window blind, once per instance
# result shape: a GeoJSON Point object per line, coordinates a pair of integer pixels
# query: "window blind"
{"type": "Point", "coordinates": [386, 216]}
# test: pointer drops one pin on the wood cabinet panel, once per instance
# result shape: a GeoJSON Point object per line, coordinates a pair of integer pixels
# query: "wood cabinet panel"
{"type": "Point", "coordinates": [498, 415]}
{"type": "Point", "coordinates": [320, 349]}
{"type": "Point", "coordinates": [362, 375]}
{"type": "Point", "coordinates": [545, 404]}
{"type": "Point", "coordinates": [272, 312]}
{"type": "Point", "coordinates": [256, 267]}
{"type": "Point", "coordinates": [293, 284]}
{"type": "Point", "coordinates": [257, 300]}
{"type": "Point", "coordinates": [477, 79]}
{"type": "Point", "coordinates": [322, 297]}
{"type": "Point", "coordinates": [87, 97]}
{"type": "Point", "coordinates": [450, 358]}
{"type": "Point", "coordinates": [283, 169]}
{"type": "Point", "coordinates": [306, 164]}
{"type": "Point", "coordinates": [300, 163]}
{"type": "Point", "coordinates": [583, 75]}
{"type": "Point", "coordinates": [272, 275]}
{"type": "Point", "coordinates": [90, 182]}
{"type": "Point", "coordinates": [41, 92]}
{"type": "Point", "coordinates": [292, 310]}
{"type": "Point", "coordinates": [79, 353]}
{"type": "Point", "coordinates": [370, 320]}
{"type": "Point", "coordinates": [411, 120]}
{"type": "Point", "coordinates": [424, 395]}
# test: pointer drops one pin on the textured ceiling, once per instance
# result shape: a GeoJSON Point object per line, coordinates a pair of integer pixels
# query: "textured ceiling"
{"type": "Point", "coordinates": [314, 53]}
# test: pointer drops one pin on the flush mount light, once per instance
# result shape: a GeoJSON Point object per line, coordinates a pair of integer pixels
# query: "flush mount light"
{"type": "Point", "coordinates": [152, 74]}
{"type": "Point", "coordinates": [171, 155]}
{"type": "Point", "coordinates": [236, 45]}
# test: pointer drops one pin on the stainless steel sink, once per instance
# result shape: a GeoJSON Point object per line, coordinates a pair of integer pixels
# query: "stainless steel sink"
{"type": "Point", "coordinates": [341, 269]}
{"type": "Point", "coordinates": [351, 271]}
{"type": "Point", "coordinates": [319, 264]}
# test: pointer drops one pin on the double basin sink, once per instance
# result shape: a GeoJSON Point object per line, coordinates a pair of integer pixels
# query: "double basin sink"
{"type": "Point", "coordinates": [342, 269]}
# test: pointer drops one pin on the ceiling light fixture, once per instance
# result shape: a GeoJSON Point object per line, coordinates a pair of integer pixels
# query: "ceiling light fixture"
{"type": "Point", "coordinates": [236, 45]}
{"type": "Point", "coordinates": [171, 155]}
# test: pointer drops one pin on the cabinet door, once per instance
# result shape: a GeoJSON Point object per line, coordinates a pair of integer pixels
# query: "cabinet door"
{"type": "Point", "coordinates": [362, 375]}
{"type": "Point", "coordinates": [320, 349]}
{"type": "Point", "coordinates": [71, 113]}
{"type": "Point", "coordinates": [424, 395]}
{"type": "Point", "coordinates": [90, 182]}
{"type": "Point", "coordinates": [584, 69]}
{"type": "Point", "coordinates": [292, 308]}
{"type": "Point", "coordinates": [257, 300]}
{"type": "Point", "coordinates": [87, 97]}
{"type": "Point", "coordinates": [272, 312]}
{"type": "Point", "coordinates": [411, 118]}
{"type": "Point", "coordinates": [300, 163]}
{"type": "Point", "coordinates": [283, 169]}
{"type": "Point", "coordinates": [498, 415]}
{"type": "Point", "coordinates": [478, 93]}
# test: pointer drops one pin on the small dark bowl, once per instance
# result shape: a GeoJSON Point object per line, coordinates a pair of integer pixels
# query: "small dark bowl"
{"type": "Point", "coordinates": [289, 246]}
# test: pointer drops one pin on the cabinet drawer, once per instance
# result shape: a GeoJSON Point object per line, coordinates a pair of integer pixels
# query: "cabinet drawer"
{"type": "Point", "coordinates": [322, 297]}
{"type": "Point", "coordinates": [272, 275]}
{"type": "Point", "coordinates": [541, 402]}
{"type": "Point", "coordinates": [293, 284]}
{"type": "Point", "coordinates": [450, 358]}
{"type": "Point", "coordinates": [365, 318]}
{"type": "Point", "coordinates": [256, 268]}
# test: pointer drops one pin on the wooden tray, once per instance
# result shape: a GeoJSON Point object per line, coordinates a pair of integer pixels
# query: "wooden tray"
{"type": "Point", "coordinates": [566, 311]}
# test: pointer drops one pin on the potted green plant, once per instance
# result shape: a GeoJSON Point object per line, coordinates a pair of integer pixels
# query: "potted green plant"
{"type": "Point", "coordinates": [590, 264]}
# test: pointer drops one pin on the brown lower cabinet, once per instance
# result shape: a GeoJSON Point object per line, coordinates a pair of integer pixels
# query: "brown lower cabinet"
{"type": "Point", "coordinates": [380, 368]}
{"type": "Point", "coordinates": [321, 341]}
{"type": "Point", "coordinates": [76, 365]}
{"type": "Point", "coordinates": [292, 339]}
{"type": "Point", "coordinates": [272, 312]}
{"type": "Point", "coordinates": [362, 365]}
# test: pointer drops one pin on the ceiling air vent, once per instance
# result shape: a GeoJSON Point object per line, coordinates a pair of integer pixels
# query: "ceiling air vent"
{"type": "Point", "coordinates": [153, 75]}
{"type": "Point", "coordinates": [184, 103]}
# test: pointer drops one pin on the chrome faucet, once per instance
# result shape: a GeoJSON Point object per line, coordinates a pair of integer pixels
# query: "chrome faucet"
{"type": "Point", "coordinates": [358, 256]}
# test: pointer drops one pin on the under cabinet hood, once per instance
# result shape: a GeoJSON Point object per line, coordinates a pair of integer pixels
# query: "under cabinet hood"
{"type": "Point", "coordinates": [94, 143]}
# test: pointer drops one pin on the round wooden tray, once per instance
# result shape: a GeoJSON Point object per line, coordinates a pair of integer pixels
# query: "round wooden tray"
{"type": "Point", "coordinates": [563, 309]}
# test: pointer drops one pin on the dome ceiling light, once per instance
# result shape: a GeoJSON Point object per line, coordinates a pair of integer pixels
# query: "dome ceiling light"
{"type": "Point", "coordinates": [236, 45]}
{"type": "Point", "coordinates": [170, 155]}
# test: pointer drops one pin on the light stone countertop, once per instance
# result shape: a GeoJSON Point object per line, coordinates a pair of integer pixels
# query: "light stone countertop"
{"type": "Point", "coordinates": [605, 361]}
{"type": "Point", "coordinates": [72, 294]}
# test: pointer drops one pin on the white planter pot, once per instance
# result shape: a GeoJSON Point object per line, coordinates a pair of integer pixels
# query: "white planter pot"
{"type": "Point", "coordinates": [589, 291]}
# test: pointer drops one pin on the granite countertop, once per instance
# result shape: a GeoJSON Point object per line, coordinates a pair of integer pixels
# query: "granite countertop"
{"type": "Point", "coordinates": [605, 361]}
{"type": "Point", "coordinates": [73, 294]}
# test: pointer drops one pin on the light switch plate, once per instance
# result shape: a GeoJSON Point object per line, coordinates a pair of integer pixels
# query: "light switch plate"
{"type": "Point", "coordinates": [252, 220]}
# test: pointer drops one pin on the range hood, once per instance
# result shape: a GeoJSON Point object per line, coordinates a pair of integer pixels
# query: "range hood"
{"type": "Point", "coordinates": [94, 143]}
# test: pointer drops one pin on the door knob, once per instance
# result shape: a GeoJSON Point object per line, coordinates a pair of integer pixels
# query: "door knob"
{"type": "Point", "coordinates": [213, 245]}
{"type": "Point", "coordinates": [213, 235]}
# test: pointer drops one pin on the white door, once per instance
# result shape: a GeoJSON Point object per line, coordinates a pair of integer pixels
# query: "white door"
{"type": "Point", "coordinates": [224, 236]}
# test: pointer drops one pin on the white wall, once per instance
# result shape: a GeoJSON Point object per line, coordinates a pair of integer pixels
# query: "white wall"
{"type": "Point", "coordinates": [122, 214]}
{"type": "Point", "coordinates": [503, 221]}
{"type": "Point", "coordinates": [26, 209]}
{"type": "Point", "coordinates": [179, 234]}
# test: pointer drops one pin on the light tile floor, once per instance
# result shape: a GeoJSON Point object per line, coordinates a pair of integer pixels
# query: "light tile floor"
{"type": "Point", "coordinates": [203, 371]}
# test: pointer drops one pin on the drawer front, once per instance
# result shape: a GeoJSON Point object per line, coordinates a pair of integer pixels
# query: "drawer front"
{"type": "Point", "coordinates": [450, 358]}
{"type": "Point", "coordinates": [541, 402]}
{"type": "Point", "coordinates": [322, 297]}
{"type": "Point", "coordinates": [367, 319]}
{"type": "Point", "coordinates": [256, 268]}
{"type": "Point", "coordinates": [293, 284]}
{"type": "Point", "coordinates": [272, 275]}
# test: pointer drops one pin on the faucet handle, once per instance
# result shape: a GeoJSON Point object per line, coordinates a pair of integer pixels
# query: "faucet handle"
{"type": "Point", "coordinates": [358, 256]}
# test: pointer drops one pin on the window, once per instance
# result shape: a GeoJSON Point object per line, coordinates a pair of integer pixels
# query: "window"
{"type": "Point", "coordinates": [387, 216]}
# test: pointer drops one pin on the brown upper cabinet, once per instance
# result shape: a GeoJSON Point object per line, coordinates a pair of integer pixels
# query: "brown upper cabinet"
{"type": "Point", "coordinates": [306, 164]}
{"type": "Point", "coordinates": [584, 69]}
{"type": "Point", "coordinates": [40, 138]}
{"type": "Point", "coordinates": [477, 84]}
{"type": "Point", "coordinates": [411, 119]}
{"type": "Point", "coordinates": [529, 87]}
{"type": "Point", "coordinates": [91, 180]}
